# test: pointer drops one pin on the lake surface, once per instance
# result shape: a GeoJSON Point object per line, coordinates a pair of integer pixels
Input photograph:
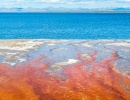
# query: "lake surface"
{"type": "Point", "coordinates": [64, 26]}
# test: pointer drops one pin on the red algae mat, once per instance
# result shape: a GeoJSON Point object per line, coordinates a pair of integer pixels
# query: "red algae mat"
{"type": "Point", "coordinates": [30, 81]}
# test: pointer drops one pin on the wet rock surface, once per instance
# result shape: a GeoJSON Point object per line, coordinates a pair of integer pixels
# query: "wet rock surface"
{"type": "Point", "coordinates": [64, 52]}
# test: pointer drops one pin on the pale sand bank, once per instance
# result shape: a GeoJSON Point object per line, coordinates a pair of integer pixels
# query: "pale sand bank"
{"type": "Point", "coordinates": [64, 52]}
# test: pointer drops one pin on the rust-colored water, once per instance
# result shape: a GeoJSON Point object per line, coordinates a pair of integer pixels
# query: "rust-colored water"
{"type": "Point", "coordinates": [31, 82]}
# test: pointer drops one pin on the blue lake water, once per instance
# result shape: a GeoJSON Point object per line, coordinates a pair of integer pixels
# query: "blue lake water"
{"type": "Point", "coordinates": [64, 26]}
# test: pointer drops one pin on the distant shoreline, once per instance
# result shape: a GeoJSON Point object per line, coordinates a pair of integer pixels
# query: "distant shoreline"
{"type": "Point", "coordinates": [75, 12]}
